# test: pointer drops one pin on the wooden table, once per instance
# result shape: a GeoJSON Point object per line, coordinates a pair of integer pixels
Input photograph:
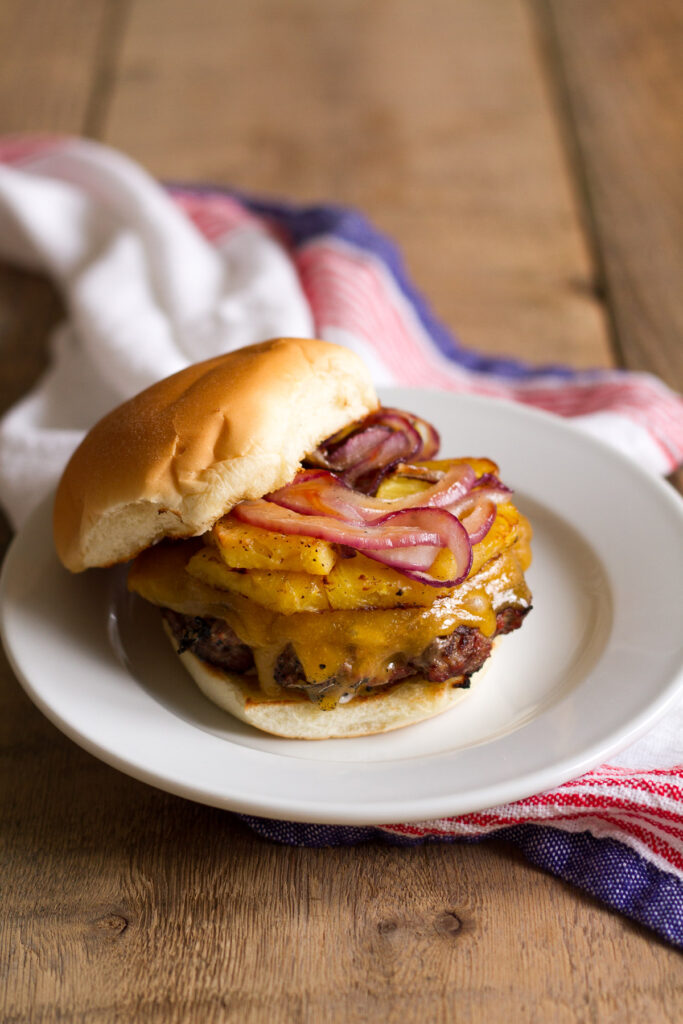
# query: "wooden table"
{"type": "Point", "coordinates": [526, 157]}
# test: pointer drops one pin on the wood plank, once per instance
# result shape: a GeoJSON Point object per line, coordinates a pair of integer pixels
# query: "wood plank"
{"type": "Point", "coordinates": [432, 118]}
{"type": "Point", "coordinates": [50, 56]}
{"type": "Point", "coordinates": [122, 902]}
{"type": "Point", "coordinates": [619, 63]}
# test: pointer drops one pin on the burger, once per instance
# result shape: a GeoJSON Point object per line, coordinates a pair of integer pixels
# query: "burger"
{"type": "Point", "coordinates": [319, 571]}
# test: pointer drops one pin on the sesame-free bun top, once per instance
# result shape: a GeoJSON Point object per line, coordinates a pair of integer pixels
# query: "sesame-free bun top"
{"type": "Point", "coordinates": [175, 458]}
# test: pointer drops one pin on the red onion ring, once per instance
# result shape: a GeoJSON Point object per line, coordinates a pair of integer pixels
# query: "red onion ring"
{"type": "Point", "coordinates": [377, 443]}
{"type": "Point", "coordinates": [410, 471]}
{"type": "Point", "coordinates": [479, 520]}
{"type": "Point", "coordinates": [428, 439]}
{"type": "Point", "coordinates": [317, 492]}
{"type": "Point", "coordinates": [367, 475]}
{"type": "Point", "coordinates": [355, 448]}
{"type": "Point", "coordinates": [335, 503]}
{"type": "Point", "coordinates": [487, 486]}
{"type": "Point", "coordinates": [408, 540]}
{"type": "Point", "coordinates": [477, 509]}
{"type": "Point", "coordinates": [431, 442]}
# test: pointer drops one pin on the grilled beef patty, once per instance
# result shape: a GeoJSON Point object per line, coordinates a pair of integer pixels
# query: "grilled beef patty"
{"type": "Point", "coordinates": [459, 654]}
{"type": "Point", "coordinates": [211, 640]}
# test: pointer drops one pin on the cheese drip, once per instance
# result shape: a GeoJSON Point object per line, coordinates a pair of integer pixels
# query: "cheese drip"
{"type": "Point", "coordinates": [366, 641]}
{"type": "Point", "coordinates": [369, 644]}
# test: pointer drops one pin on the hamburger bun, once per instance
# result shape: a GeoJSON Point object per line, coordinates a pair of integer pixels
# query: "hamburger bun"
{"type": "Point", "coordinates": [176, 457]}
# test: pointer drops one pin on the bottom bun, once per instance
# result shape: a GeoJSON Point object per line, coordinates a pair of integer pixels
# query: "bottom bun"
{"type": "Point", "coordinates": [296, 717]}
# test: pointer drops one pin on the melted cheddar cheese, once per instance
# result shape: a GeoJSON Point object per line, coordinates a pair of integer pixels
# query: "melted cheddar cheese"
{"type": "Point", "coordinates": [277, 592]}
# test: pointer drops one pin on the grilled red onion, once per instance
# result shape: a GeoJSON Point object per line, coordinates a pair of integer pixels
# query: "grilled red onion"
{"type": "Point", "coordinates": [336, 503]}
{"type": "Point", "coordinates": [411, 471]}
{"type": "Point", "coordinates": [478, 519]}
{"type": "Point", "coordinates": [367, 474]}
{"type": "Point", "coordinates": [317, 492]}
{"type": "Point", "coordinates": [477, 509]}
{"type": "Point", "coordinates": [430, 438]}
{"type": "Point", "coordinates": [487, 486]}
{"type": "Point", "coordinates": [355, 448]}
{"type": "Point", "coordinates": [408, 540]}
{"type": "Point", "coordinates": [363, 456]}
{"type": "Point", "coordinates": [491, 482]}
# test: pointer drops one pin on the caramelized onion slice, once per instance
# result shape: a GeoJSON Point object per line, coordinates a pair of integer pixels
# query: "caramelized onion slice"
{"type": "Point", "coordinates": [353, 450]}
{"type": "Point", "coordinates": [413, 471]}
{"type": "Point", "coordinates": [477, 509]}
{"type": "Point", "coordinates": [495, 488]}
{"type": "Point", "coordinates": [408, 540]}
{"type": "Point", "coordinates": [478, 518]}
{"type": "Point", "coordinates": [487, 486]}
{"type": "Point", "coordinates": [431, 442]}
{"type": "Point", "coordinates": [427, 441]}
{"type": "Point", "coordinates": [317, 492]}
{"type": "Point", "coordinates": [366, 453]}
{"type": "Point", "coordinates": [367, 474]}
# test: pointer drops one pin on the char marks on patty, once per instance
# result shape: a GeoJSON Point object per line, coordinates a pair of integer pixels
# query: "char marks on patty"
{"type": "Point", "coordinates": [212, 640]}
{"type": "Point", "coordinates": [456, 655]}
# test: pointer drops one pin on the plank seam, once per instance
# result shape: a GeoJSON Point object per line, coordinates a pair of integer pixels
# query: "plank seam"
{"type": "Point", "coordinates": [109, 45]}
{"type": "Point", "coordinates": [553, 71]}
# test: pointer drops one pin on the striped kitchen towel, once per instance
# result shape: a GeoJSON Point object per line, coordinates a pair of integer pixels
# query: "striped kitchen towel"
{"type": "Point", "coordinates": [154, 279]}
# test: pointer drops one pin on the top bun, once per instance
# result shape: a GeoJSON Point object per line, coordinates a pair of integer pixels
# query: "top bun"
{"type": "Point", "coordinates": [178, 456]}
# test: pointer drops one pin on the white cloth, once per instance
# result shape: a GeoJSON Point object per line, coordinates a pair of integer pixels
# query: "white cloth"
{"type": "Point", "coordinates": [146, 295]}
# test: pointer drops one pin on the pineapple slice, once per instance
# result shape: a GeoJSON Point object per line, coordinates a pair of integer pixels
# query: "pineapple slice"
{"type": "Point", "coordinates": [361, 582]}
{"type": "Point", "coordinates": [289, 574]}
{"type": "Point", "coordinates": [357, 582]}
{"type": "Point", "coordinates": [284, 592]}
{"type": "Point", "coordinates": [394, 486]}
{"type": "Point", "coordinates": [249, 547]}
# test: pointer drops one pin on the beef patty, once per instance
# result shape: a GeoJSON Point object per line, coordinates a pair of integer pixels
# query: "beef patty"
{"type": "Point", "coordinates": [457, 655]}
{"type": "Point", "coordinates": [211, 640]}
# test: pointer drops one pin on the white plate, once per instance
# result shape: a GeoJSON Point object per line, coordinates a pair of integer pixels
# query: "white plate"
{"type": "Point", "coordinates": [597, 662]}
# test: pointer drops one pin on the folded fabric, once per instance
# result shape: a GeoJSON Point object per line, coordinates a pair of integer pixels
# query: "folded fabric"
{"type": "Point", "coordinates": [154, 279]}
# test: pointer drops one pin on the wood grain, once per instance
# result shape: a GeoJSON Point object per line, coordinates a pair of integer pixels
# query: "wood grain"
{"type": "Point", "coordinates": [122, 903]}
{"type": "Point", "coordinates": [431, 117]}
{"type": "Point", "coordinates": [618, 69]}
{"type": "Point", "coordinates": [51, 57]}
